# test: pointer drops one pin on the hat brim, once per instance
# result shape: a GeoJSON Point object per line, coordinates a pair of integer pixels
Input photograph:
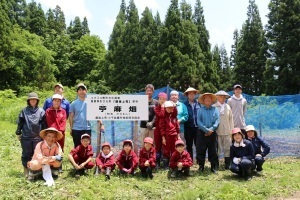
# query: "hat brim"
{"type": "Point", "coordinates": [213, 97]}
{"type": "Point", "coordinates": [187, 91]}
{"type": "Point", "coordinates": [44, 132]}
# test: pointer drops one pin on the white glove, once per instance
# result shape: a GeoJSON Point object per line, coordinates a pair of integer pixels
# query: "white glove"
{"type": "Point", "coordinates": [236, 160]}
{"type": "Point", "coordinates": [258, 155]}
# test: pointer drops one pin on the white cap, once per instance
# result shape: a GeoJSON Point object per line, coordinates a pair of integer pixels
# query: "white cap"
{"type": "Point", "coordinates": [174, 92]}
{"type": "Point", "coordinates": [57, 96]}
{"type": "Point", "coordinates": [168, 104]}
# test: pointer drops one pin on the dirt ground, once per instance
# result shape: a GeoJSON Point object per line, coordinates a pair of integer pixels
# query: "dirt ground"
{"type": "Point", "coordinates": [294, 196]}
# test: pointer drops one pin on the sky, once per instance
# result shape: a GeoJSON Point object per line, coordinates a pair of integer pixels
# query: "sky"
{"type": "Point", "coordinates": [222, 17]}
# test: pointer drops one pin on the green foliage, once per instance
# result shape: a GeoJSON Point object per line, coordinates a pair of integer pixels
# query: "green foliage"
{"type": "Point", "coordinates": [251, 51]}
{"type": "Point", "coordinates": [283, 37]}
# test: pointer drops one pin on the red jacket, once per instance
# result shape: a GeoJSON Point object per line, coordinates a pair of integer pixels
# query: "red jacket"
{"type": "Point", "coordinates": [106, 160]}
{"type": "Point", "coordinates": [159, 113]}
{"type": "Point", "coordinates": [56, 118]}
{"type": "Point", "coordinates": [147, 155]}
{"type": "Point", "coordinates": [129, 161]}
{"type": "Point", "coordinates": [169, 124]}
{"type": "Point", "coordinates": [185, 158]}
{"type": "Point", "coordinates": [82, 152]}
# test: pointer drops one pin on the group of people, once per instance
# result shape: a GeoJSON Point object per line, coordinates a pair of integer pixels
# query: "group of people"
{"type": "Point", "coordinates": [208, 122]}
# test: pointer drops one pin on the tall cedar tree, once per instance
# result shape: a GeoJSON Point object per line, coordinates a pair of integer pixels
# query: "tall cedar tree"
{"type": "Point", "coordinates": [233, 48]}
{"type": "Point", "coordinates": [75, 29]}
{"type": "Point", "coordinates": [113, 58]}
{"type": "Point", "coordinates": [85, 26]}
{"type": "Point", "coordinates": [251, 53]}
{"type": "Point", "coordinates": [283, 30]}
{"type": "Point", "coordinates": [6, 71]}
{"type": "Point", "coordinates": [148, 38]}
{"type": "Point", "coordinates": [36, 19]}
{"type": "Point", "coordinates": [224, 70]}
{"type": "Point", "coordinates": [18, 12]}
{"type": "Point", "coordinates": [209, 73]}
{"type": "Point", "coordinates": [180, 55]}
{"type": "Point", "coordinates": [60, 20]}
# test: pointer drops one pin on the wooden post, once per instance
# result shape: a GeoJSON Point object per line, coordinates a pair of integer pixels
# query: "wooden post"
{"type": "Point", "coordinates": [136, 137]}
{"type": "Point", "coordinates": [98, 137]}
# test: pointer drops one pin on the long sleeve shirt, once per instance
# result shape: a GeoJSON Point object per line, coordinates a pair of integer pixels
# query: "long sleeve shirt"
{"type": "Point", "coordinates": [82, 152]}
{"type": "Point", "coordinates": [106, 160]}
{"type": "Point", "coordinates": [226, 120]}
{"type": "Point", "coordinates": [208, 118]}
{"type": "Point", "coordinates": [259, 144]}
{"type": "Point", "coordinates": [147, 155]}
{"type": "Point", "coordinates": [128, 161]}
{"type": "Point", "coordinates": [184, 158]}
{"type": "Point", "coordinates": [65, 104]}
{"type": "Point", "coordinates": [56, 118]}
{"type": "Point", "coordinates": [45, 154]}
{"type": "Point", "coordinates": [182, 114]}
{"type": "Point", "coordinates": [242, 152]}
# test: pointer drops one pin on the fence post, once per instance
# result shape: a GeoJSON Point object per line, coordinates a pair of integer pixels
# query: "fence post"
{"type": "Point", "coordinates": [136, 137]}
{"type": "Point", "coordinates": [113, 133]}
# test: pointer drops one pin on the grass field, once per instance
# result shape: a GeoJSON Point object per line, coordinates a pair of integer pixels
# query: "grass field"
{"type": "Point", "coordinates": [280, 179]}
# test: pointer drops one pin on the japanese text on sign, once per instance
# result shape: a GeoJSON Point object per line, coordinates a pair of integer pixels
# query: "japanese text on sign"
{"type": "Point", "coordinates": [117, 107]}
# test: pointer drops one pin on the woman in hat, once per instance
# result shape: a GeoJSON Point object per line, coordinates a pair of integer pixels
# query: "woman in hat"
{"type": "Point", "coordinates": [208, 121]}
{"type": "Point", "coordinates": [241, 155]}
{"type": "Point", "coordinates": [47, 155]}
{"type": "Point", "coordinates": [31, 121]}
{"type": "Point", "coordinates": [261, 148]}
{"type": "Point", "coordinates": [190, 125]}
{"type": "Point", "coordinates": [225, 126]}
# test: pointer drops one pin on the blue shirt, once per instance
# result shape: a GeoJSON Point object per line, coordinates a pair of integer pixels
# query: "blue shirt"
{"type": "Point", "coordinates": [182, 115]}
{"type": "Point", "coordinates": [208, 118]}
{"type": "Point", "coordinates": [65, 104]}
{"type": "Point", "coordinates": [78, 107]}
{"type": "Point", "coordinates": [192, 113]}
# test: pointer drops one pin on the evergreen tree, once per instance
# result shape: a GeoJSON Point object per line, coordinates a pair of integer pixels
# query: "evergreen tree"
{"type": "Point", "coordinates": [283, 30]}
{"type": "Point", "coordinates": [60, 20]}
{"type": "Point", "coordinates": [251, 53]}
{"type": "Point", "coordinates": [36, 19]}
{"type": "Point", "coordinates": [114, 59]}
{"type": "Point", "coordinates": [75, 29]}
{"type": "Point", "coordinates": [85, 26]}
{"type": "Point", "coordinates": [234, 47]}
{"type": "Point", "coordinates": [18, 12]}
{"type": "Point", "coordinates": [6, 71]}
{"type": "Point", "coordinates": [224, 71]}
{"type": "Point", "coordinates": [210, 78]}
{"type": "Point", "coordinates": [51, 24]}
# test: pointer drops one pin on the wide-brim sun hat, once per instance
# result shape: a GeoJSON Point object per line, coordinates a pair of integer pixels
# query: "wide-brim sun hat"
{"type": "Point", "coordinates": [44, 132]}
{"type": "Point", "coordinates": [235, 131]}
{"type": "Point", "coordinates": [222, 93]}
{"type": "Point", "coordinates": [32, 95]}
{"type": "Point", "coordinates": [190, 89]}
{"type": "Point", "coordinates": [213, 97]}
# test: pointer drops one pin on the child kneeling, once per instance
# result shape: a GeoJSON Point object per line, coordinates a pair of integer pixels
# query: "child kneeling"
{"type": "Point", "coordinates": [81, 156]}
{"type": "Point", "coordinates": [127, 160]}
{"type": "Point", "coordinates": [180, 161]}
{"type": "Point", "coordinates": [105, 161]}
{"type": "Point", "coordinates": [147, 158]}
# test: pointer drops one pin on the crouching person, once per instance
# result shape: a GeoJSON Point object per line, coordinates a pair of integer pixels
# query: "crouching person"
{"type": "Point", "coordinates": [241, 155]}
{"type": "Point", "coordinates": [47, 156]}
{"type": "Point", "coordinates": [105, 161]}
{"type": "Point", "coordinates": [147, 161]}
{"type": "Point", "coordinates": [127, 160]}
{"type": "Point", "coordinates": [181, 161]}
{"type": "Point", "coordinates": [81, 156]}
{"type": "Point", "coordinates": [261, 148]}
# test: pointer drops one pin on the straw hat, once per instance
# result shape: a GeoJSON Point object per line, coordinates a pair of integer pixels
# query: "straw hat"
{"type": "Point", "coordinates": [190, 89]}
{"type": "Point", "coordinates": [213, 97]}
{"type": "Point", "coordinates": [44, 132]}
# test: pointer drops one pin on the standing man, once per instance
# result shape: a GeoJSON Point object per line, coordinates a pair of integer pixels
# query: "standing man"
{"type": "Point", "coordinates": [208, 121]}
{"type": "Point", "coordinates": [190, 126]}
{"type": "Point", "coordinates": [182, 113]}
{"type": "Point", "coordinates": [79, 125]}
{"type": "Point", "coordinates": [238, 106]}
{"type": "Point", "coordinates": [65, 104]}
{"type": "Point", "coordinates": [147, 127]}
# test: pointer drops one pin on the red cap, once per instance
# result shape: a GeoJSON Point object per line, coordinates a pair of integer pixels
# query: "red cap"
{"type": "Point", "coordinates": [106, 144]}
{"type": "Point", "coordinates": [178, 142]}
{"type": "Point", "coordinates": [236, 130]}
{"type": "Point", "coordinates": [148, 140]}
{"type": "Point", "coordinates": [163, 95]}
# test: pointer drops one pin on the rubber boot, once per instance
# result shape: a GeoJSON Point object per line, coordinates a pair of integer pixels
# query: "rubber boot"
{"type": "Point", "coordinates": [149, 172]}
{"type": "Point", "coordinates": [166, 163]}
{"type": "Point", "coordinates": [248, 174]}
{"type": "Point", "coordinates": [26, 172]}
{"type": "Point", "coordinates": [107, 173]}
{"type": "Point", "coordinates": [157, 160]}
{"type": "Point", "coordinates": [201, 167]}
{"type": "Point", "coordinates": [97, 171]}
{"type": "Point", "coordinates": [214, 168]}
{"type": "Point", "coordinates": [30, 175]}
{"type": "Point", "coordinates": [187, 172]}
{"type": "Point", "coordinates": [227, 162]}
{"type": "Point", "coordinates": [174, 173]}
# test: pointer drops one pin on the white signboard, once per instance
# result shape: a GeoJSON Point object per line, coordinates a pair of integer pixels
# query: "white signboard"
{"type": "Point", "coordinates": [117, 107]}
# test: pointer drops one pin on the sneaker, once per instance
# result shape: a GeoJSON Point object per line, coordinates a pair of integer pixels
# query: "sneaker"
{"type": "Point", "coordinates": [107, 177]}
{"type": "Point", "coordinates": [173, 174]}
{"type": "Point", "coordinates": [30, 176]}
{"type": "Point", "coordinates": [149, 172]}
{"type": "Point", "coordinates": [77, 174]}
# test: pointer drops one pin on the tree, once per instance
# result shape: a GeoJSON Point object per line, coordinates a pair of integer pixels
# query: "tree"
{"type": "Point", "coordinates": [36, 19]}
{"type": "Point", "coordinates": [251, 53]}
{"type": "Point", "coordinates": [234, 47]}
{"type": "Point", "coordinates": [224, 70]}
{"type": "Point", "coordinates": [85, 26]}
{"type": "Point", "coordinates": [60, 20]}
{"type": "Point", "coordinates": [210, 78]}
{"type": "Point", "coordinates": [87, 54]}
{"type": "Point", "coordinates": [75, 29]}
{"type": "Point", "coordinates": [283, 30]}
{"type": "Point", "coordinates": [18, 12]}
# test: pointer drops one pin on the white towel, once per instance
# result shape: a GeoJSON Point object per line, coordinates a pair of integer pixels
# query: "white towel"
{"type": "Point", "coordinates": [222, 108]}
{"type": "Point", "coordinates": [47, 175]}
